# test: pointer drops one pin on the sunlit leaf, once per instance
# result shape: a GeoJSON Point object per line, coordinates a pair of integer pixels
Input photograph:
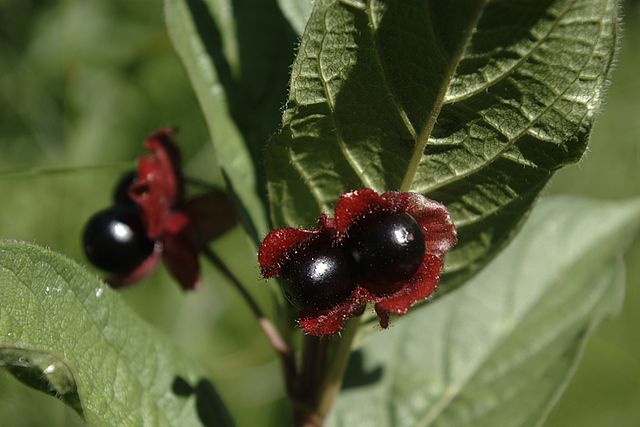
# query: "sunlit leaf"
{"type": "Point", "coordinates": [499, 351]}
{"type": "Point", "coordinates": [473, 103]}
{"type": "Point", "coordinates": [64, 332]}
{"type": "Point", "coordinates": [237, 55]}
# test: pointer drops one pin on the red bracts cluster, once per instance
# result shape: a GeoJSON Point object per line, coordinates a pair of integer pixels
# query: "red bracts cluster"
{"type": "Point", "coordinates": [152, 220]}
{"type": "Point", "coordinates": [382, 249]}
{"type": "Point", "coordinates": [158, 191]}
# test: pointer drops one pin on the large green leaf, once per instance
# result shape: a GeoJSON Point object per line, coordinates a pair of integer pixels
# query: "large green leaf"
{"type": "Point", "coordinates": [500, 351]}
{"type": "Point", "coordinates": [237, 54]}
{"type": "Point", "coordinates": [64, 332]}
{"type": "Point", "coordinates": [473, 103]}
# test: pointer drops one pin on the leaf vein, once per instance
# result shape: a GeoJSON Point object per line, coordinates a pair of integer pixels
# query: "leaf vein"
{"type": "Point", "coordinates": [331, 104]}
{"type": "Point", "coordinates": [491, 82]}
{"type": "Point", "coordinates": [511, 141]}
{"type": "Point", "coordinates": [425, 132]}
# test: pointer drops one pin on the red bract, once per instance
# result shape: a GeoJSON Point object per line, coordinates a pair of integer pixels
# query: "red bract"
{"type": "Point", "coordinates": [280, 248]}
{"type": "Point", "coordinates": [159, 188]}
{"type": "Point", "coordinates": [178, 226]}
{"type": "Point", "coordinates": [158, 191]}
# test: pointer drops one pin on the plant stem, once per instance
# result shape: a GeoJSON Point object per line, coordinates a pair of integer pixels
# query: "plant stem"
{"type": "Point", "coordinates": [313, 354]}
{"type": "Point", "coordinates": [324, 359]}
{"type": "Point", "coordinates": [324, 362]}
{"type": "Point", "coordinates": [287, 357]}
{"type": "Point", "coordinates": [336, 364]}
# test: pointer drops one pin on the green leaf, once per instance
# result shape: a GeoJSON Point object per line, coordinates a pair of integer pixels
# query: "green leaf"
{"type": "Point", "coordinates": [237, 54]}
{"type": "Point", "coordinates": [500, 351]}
{"type": "Point", "coordinates": [473, 103]}
{"type": "Point", "coordinates": [297, 12]}
{"type": "Point", "coordinates": [66, 333]}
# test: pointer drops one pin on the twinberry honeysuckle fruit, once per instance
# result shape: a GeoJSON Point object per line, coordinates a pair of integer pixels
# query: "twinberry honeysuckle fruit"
{"type": "Point", "coordinates": [393, 243]}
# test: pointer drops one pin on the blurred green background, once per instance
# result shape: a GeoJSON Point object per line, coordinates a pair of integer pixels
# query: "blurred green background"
{"type": "Point", "coordinates": [81, 84]}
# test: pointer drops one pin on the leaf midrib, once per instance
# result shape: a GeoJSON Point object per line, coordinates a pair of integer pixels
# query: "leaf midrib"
{"type": "Point", "coordinates": [422, 137]}
{"type": "Point", "coordinates": [424, 134]}
{"type": "Point", "coordinates": [511, 141]}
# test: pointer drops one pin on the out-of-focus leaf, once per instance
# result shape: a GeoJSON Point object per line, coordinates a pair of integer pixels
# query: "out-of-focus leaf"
{"type": "Point", "coordinates": [297, 12]}
{"type": "Point", "coordinates": [237, 54]}
{"type": "Point", "coordinates": [473, 103]}
{"type": "Point", "coordinates": [500, 351]}
{"type": "Point", "coordinates": [64, 332]}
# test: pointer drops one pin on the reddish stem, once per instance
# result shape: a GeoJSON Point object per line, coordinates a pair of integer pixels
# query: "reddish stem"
{"type": "Point", "coordinates": [287, 357]}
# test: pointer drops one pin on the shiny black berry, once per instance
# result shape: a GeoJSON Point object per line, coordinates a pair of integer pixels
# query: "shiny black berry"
{"type": "Point", "coordinates": [385, 248]}
{"type": "Point", "coordinates": [114, 239]}
{"type": "Point", "coordinates": [317, 276]}
{"type": "Point", "coordinates": [121, 192]}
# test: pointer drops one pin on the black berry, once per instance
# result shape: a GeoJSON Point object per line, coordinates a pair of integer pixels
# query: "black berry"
{"type": "Point", "coordinates": [317, 276]}
{"type": "Point", "coordinates": [385, 248]}
{"type": "Point", "coordinates": [114, 239]}
{"type": "Point", "coordinates": [121, 191]}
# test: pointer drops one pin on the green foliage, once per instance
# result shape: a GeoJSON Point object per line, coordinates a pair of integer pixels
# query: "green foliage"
{"type": "Point", "coordinates": [82, 84]}
{"type": "Point", "coordinates": [237, 54]}
{"type": "Point", "coordinates": [77, 93]}
{"type": "Point", "coordinates": [66, 333]}
{"type": "Point", "coordinates": [385, 95]}
{"type": "Point", "coordinates": [499, 351]}
{"type": "Point", "coordinates": [605, 388]}
{"type": "Point", "coordinates": [297, 12]}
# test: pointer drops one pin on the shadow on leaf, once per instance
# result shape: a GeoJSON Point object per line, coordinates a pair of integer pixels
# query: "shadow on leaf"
{"type": "Point", "coordinates": [358, 375]}
{"type": "Point", "coordinates": [209, 405]}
